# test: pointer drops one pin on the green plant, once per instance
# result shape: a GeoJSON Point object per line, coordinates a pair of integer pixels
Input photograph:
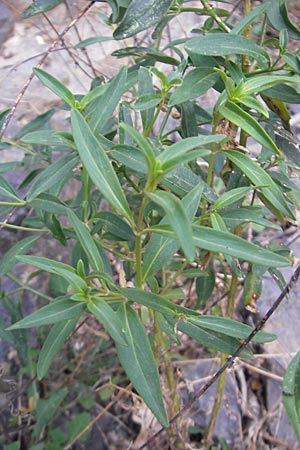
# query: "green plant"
{"type": "Point", "coordinates": [173, 205]}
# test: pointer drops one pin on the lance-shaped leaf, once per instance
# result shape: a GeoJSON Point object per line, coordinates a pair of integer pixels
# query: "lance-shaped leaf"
{"type": "Point", "coordinates": [40, 6]}
{"type": "Point", "coordinates": [56, 311]}
{"type": "Point", "coordinates": [52, 175]}
{"type": "Point", "coordinates": [99, 109]}
{"type": "Point", "coordinates": [49, 203]}
{"type": "Point", "coordinates": [177, 218]}
{"type": "Point", "coordinates": [98, 165]}
{"type": "Point", "coordinates": [227, 243]}
{"type": "Point", "coordinates": [53, 343]}
{"type": "Point", "coordinates": [230, 327]}
{"type": "Point", "coordinates": [291, 393]}
{"type": "Point", "coordinates": [55, 86]}
{"type": "Point", "coordinates": [261, 83]}
{"type": "Point", "coordinates": [156, 302]}
{"type": "Point", "coordinates": [6, 190]}
{"type": "Point", "coordinates": [160, 249]}
{"type": "Point", "coordinates": [244, 120]}
{"type": "Point", "coordinates": [63, 270]}
{"type": "Point", "coordinates": [213, 340]}
{"type": "Point", "coordinates": [186, 145]}
{"type": "Point", "coordinates": [259, 177]}
{"type": "Point", "coordinates": [194, 84]}
{"type": "Point", "coordinates": [105, 314]}
{"type": "Point", "coordinates": [230, 197]}
{"type": "Point", "coordinates": [138, 361]}
{"type": "Point", "coordinates": [143, 145]}
{"type": "Point", "coordinates": [235, 217]}
{"type": "Point", "coordinates": [140, 15]}
{"type": "Point", "coordinates": [49, 137]}
{"type": "Point", "coordinates": [249, 18]}
{"type": "Point", "coordinates": [88, 244]}
{"type": "Point", "coordinates": [225, 44]}
{"type": "Point", "coordinates": [21, 247]}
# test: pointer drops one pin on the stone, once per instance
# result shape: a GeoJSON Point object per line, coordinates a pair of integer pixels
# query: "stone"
{"type": "Point", "coordinates": [6, 23]}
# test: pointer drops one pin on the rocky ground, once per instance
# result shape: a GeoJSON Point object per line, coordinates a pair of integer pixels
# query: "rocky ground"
{"type": "Point", "coordinates": [253, 392]}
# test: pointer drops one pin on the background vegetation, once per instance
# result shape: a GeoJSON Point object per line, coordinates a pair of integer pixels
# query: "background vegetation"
{"type": "Point", "coordinates": [154, 199]}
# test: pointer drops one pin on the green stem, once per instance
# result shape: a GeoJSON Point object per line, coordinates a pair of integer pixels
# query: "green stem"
{"type": "Point", "coordinates": [212, 13]}
{"type": "Point", "coordinates": [26, 288]}
{"type": "Point", "coordinates": [147, 130]}
{"type": "Point", "coordinates": [217, 404]}
{"type": "Point", "coordinates": [86, 194]}
{"type": "Point", "coordinates": [17, 227]}
{"type": "Point", "coordinates": [138, 244]}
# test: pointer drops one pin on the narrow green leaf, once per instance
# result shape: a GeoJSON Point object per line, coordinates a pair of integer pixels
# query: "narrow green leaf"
{"type": "Point", "coordinates": [291, 393]}
{"type": "Point", "coordinates": [105, 314]}
{"type": "Point", "coordinates": [185, 145]}
{"type": "Point", "coordinates": [55, 86]}
{"type": "Point", "coordinates": [259, 177]}
{"type": "Point", "coordinates": [195, 83]}
{"type": "Point", "coordinates": [210, 339]}
{"type": "Point", "coordinates": [244, 120]}
{"type": "Point", "coordinates": [146, 102]}
{"type": "Point", "coordinates": [64, 270]}
{"type": "Point", "coordinates": [37, 124]}
{"type": "Point", "coordinates": [7, 191]}
{"type": "Point", "coordinates": [140, 15]}
{"type": "Point", "coordinates": [205, 286]}
{"type": "Point", "coordinates": [131, 157]}
{"type": "Point", "coordinates": [98, 165]}
{"type": "Point", "coordinates": [230, 197]}
{"type": "Point", "coordinates": [139, 363]}
{"type": "Point", "coordinates": [145, 86]}
{"type": "Point", "coordinates": [261, 83]}
{"type": "Point", "coordinates": [84, 236]}
{"type": "Point", "coordinates": [177, 218]}
{"type": "Point", "coordinates": [231, 328]}
{"type": "Point", "coordinates": [278, 17]}
{"type": "Point", "coordinates": [56, 311]}
{"type": "Point", "coordinates": [143, 145]}
{"type": "Point", "coordinates": [146, 53]}
{"type": "Point", "coordinates": [49, 137]}
{"type": "Point", "coordinates": [98, 111]}
{"type": "Point", "coordinates": [249, 18]}
{"type": "Point", "coordinates": [39, 6]}
{"type": "Point", "coordinates": [54, 341]}
{"type": "Point", "coordinates": [115, 226]}
{"type": "Point", "coordinates": [53, 174]}
{"type": "Point", "coordinates": [225, 44]}
{"type": "Point", "coordinates": [253, 103]}
{"type": "Point", "coordinates": [49, 203]}
{"type": "Point", "coordinates": [93, 40]}
{"type": "Point", "coordinates": [159, 250]}
{"type": "Point", "coordinates": [156, 302]}
{"type": "Point", "coordinates": [21, 247]}
{"type": "Point", "coordinates": [235, 217]}
{"type": "Point", "coordinates": [227, 243]}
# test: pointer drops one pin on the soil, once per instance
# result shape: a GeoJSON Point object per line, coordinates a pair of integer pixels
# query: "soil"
{"type": "Point", "coordinates": [252, 393]}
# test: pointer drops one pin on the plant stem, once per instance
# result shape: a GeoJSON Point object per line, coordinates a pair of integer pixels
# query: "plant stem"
{"type": "Point", "coordinates": [85, 204]}
{"type": "Point", "coordinates": [212, 13]}
{"type": "Point", "coordinates": [218, 403]}
{"type": "Point", "coordinates": [138, 244]}
{"type": "Point", "coordinates": [26, 288]}
{"type": "Point", "coordinates": [247, 33]}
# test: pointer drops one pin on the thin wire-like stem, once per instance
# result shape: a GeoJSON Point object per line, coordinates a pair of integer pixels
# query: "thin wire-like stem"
{"type": "Point", "coordinates": [229, 361]}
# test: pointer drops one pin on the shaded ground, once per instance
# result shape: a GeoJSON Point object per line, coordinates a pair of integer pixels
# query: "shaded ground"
{"type": "Point", "coordinates": [252, 396]}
